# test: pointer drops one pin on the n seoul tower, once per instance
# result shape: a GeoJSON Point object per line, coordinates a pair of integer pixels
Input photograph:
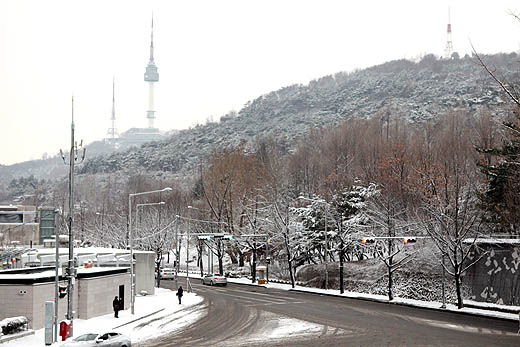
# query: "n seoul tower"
{"type": "Point", "coordinates": [151, 76]}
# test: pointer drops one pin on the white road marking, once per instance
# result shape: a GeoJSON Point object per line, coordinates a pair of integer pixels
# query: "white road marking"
{"type": "Point", "coordinates": [276, 303]}
{"type": "Point", "coordinates": [231, 291]}
{"type": "Point", "coordinates": [466, 328]}
{"type": "Point", "coordinates": [246, 297]}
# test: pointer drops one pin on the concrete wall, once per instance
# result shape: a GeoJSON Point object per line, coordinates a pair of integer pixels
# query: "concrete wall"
{"type": "Point", "coordinates": [43, 292]}
{"type": "Point", "coordinates": [144, 272]}
{"type": "Point", "coordinates": [96, 294]}
{"type": "Point", "coordinates": [13, 303]}
{"type": "Point", "coordinates": [495, 277]}
{"type": "Point", "coordinates": [30, 304]}
{"type": "Point", "coordinates": [92, 297]}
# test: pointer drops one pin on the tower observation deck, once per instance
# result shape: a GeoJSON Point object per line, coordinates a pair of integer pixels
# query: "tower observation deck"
{"type": "Point", "coordinates": [151, 76]}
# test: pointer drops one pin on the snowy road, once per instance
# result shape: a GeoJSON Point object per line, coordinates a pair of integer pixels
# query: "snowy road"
{"type": "Point", "coordinates": [247, 316]}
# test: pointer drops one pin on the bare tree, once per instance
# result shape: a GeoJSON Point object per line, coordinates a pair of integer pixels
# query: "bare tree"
{"type": "Point", "coordinates": [387, 217]}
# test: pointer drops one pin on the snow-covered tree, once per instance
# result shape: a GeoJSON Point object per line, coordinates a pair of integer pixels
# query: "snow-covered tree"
{"type": "Point", "coordinates": [348, 209]}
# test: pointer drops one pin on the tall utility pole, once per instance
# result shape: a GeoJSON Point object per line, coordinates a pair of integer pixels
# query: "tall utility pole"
{"type": "Point", "coordinates": [70, 267]}
{"type": "Point", "coordinates": [177, 252]}
{"type": "Point", "coordinates": [71, 270]}
{"type": "Point", "coordinates": [188, 258]}
{"type": "Point", "coordinates": [57, 276]}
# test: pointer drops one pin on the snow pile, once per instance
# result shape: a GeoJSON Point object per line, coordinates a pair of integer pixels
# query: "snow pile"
{"type": "Point", "coordinates": [13, 325]}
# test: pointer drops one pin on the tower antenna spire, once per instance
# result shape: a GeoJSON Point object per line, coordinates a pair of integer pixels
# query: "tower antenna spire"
{"type": "Point", "coordinates": [112, 131]}
{"type": "Point", "coordinates": [151, 76]}
{"type": "Point", "coordinates": [151, 42]}
{"type": "Point", "coordinates": [449, 44]}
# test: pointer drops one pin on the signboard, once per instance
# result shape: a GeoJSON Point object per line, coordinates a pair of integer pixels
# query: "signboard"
{"type": "Point", "coordinates": [49, 322]}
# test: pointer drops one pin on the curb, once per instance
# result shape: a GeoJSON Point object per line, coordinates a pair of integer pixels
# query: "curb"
{"type": "Point", "coordinates": [7, 338]}
{"type": "Point", "coordinates": [410, 305]}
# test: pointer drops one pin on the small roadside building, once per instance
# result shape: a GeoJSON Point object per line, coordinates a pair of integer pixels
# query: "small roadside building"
{"type": "Point", "coordinates": [102, 274]}
{"type": "Point", "coordinates": [23, 292]}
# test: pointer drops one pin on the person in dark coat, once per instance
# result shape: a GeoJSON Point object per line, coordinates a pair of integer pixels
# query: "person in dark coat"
{"type": "Point", "coordinates": [116, 306]}
{"type": "Point", "coordinates": [179, 294]}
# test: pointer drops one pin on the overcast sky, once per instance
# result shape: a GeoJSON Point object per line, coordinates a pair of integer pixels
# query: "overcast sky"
{"type": "Point", "coordinates": [213, 56]}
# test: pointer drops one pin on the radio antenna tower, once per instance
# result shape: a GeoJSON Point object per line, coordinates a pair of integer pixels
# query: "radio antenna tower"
{"type": "Point", "coordinates": [112, 131]}
{"type": "Point", "coordinates": [151, 76]}
{"type": "Point", "coordinates": [449, 44]}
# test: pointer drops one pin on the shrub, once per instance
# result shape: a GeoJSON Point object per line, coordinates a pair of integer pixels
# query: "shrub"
{"type": "Point", "coordinates": [13, 325]}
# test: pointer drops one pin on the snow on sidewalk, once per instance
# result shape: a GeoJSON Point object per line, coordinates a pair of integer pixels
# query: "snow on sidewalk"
{"type": "Point", "coordinates": [172, 316]}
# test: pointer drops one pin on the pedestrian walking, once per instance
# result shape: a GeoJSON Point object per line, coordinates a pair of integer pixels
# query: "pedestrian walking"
{"type": "Point", "coordinates": [179, 294]}
{"type": "Point", "coordinates": [116, 306]}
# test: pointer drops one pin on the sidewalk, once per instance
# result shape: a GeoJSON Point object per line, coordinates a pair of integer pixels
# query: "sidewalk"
{"type": "Point", "coordinates": [154, 315]}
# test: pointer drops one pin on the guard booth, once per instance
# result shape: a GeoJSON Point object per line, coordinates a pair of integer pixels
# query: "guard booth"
{"type": "Point", "coordinates": [260, 274]}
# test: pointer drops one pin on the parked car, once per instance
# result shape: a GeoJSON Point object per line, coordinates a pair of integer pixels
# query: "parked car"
{"type": "Point", "coordinates": [214, 279]}
{"type": "Point", "coordinates": [111, 339]}
{"type": "Point", "coordinates": [166, 273]}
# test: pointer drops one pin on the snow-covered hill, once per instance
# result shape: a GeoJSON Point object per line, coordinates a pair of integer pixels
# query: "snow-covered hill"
{"type": "Point", "coordinates": [416, 91]}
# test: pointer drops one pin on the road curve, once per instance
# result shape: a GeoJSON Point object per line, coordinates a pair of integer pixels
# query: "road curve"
{"type": "Point", "coordinates": [241, 315]}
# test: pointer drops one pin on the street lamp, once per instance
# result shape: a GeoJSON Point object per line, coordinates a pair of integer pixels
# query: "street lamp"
{"type": "Point", "coordinates": [130, 196]}
{"type": "Point", "coordinates": [137, 219]}
{"type": "Point", "coordinates": [188, 253]}
{"type": "Point", "coordinates": [326, 241]}
{"type": "Point", "coordinates": [201, 271]}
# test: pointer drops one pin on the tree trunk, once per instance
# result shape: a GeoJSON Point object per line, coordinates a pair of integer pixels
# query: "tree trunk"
{"type": "Point", "coordinates": [201, 263]}
{"type": "Point", "coordinates": [253, 267]}
{"type": "Point", "coordinates": [289, 261]}
{"type": "Point", "coordinates": [341, 279]}
{"type": "Point", "coordinates": [458, 286]}
{"type": "Point", "coordinates": [220, 266]}
{"type": "Point", "coordinates": [241, 260]}
{"type": "Point", "coordinates": [390, 283]}
{"type": "Point", "coordinates": [390, 272]}
{"type": "Point", "coordinates": [158, 271]}
{"type": "Point", "coordinates": [220, 260]}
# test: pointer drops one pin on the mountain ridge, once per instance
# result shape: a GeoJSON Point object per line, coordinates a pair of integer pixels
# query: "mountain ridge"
{"type": "Point", "coordinates": [417, 91]}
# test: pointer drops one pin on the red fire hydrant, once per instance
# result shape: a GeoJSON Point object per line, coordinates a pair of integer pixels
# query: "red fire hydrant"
{"type": "Point", "coordinates": [64, 329]}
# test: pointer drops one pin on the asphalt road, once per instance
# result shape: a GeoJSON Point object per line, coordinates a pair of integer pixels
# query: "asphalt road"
{"type": "Point", "coordinates": [239, 315]}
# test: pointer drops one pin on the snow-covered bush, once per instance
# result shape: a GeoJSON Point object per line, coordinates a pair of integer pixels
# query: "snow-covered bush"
{"type": "Point", "coordinates": [13, 325]}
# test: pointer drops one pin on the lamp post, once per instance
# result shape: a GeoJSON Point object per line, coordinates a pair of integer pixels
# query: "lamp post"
{"type": "Point", "coordinates": [177, 252]}
{"type": "Point", "coordinates": [188, 254]}
{"type": "Point", "coordinates": [187, 243]}
{"type": "Point", "coordinates": [326, 240]}
{"type": "Point", "coordinates": [130, 196]}
{"type": "Point", "coordinates": [137, 219]}
{"type": "Point", "coordinates": [57, 276]}
{"type": "Point", "coordinates": [71, 270]}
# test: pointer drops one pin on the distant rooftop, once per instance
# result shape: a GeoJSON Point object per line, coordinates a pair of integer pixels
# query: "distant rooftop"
{"type": "Point", "coordinates": [44, 274]}
{"type": "Point", "coordinates": [492, 241]}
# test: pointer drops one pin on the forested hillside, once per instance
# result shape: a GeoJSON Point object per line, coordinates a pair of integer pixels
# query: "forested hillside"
{"type": "Point", "coordinates": [415, 91]}
{"type": "Point", "coordinates": [412, 91]}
